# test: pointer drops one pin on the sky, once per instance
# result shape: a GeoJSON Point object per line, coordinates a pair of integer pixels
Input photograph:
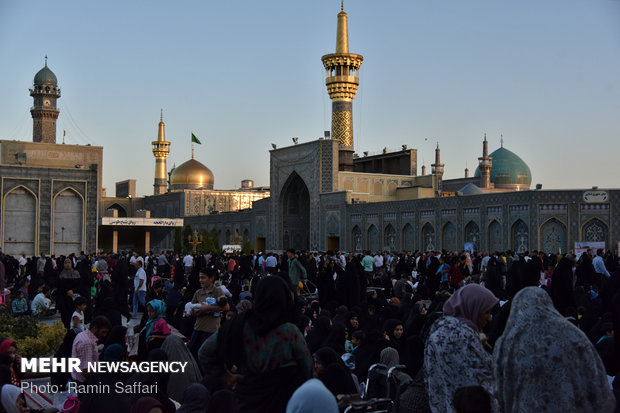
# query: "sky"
{"type": "Point", "coordinates": [244, 74]}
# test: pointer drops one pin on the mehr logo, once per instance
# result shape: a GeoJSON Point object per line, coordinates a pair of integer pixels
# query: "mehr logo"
{"type": "Point", "coordinates": [51, 365]}
{"type": "Point", "coordinates": [74, 365]}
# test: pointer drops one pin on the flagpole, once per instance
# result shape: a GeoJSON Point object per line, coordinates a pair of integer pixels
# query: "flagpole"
{"type": "Point", "coordinates": [192, 147]}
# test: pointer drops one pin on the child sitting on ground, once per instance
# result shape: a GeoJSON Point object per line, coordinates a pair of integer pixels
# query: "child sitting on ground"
{"type": "Point", "coordinates": [20, 305]}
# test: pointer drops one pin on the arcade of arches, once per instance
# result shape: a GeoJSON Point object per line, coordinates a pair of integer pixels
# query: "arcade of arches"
{"type": "Point", "coordinates": [552, 236]}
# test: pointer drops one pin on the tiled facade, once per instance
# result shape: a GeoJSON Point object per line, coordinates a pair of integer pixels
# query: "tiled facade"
{"type": "Point", "coordinates": [44, 186]}
{"type": "Point", "coordinates": [550, 220]}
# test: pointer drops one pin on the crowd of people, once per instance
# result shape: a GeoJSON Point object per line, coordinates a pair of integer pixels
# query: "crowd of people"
{"type": "Point", "coordinates": [321, 332]}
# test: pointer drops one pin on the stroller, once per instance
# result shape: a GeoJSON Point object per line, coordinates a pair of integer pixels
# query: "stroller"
{"type": "Point", "coordinates": [307, 292]}
{"type": "Point", "coordinates": [382, 392]}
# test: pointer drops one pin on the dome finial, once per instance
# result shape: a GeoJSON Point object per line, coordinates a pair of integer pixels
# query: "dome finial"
{"type": "Point", "coordinates": [501, 140]}
{"type": "Point", "coordinates": [45, 60]}
{"type": "Point", "coordinates": [341, 5]}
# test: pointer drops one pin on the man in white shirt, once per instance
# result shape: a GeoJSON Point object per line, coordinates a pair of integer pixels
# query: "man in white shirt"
{"type": "Point", "coordinates": [132, 259]}
{"type": "Point", "coordinates": [22, 265]}
{"type": "Point", "coordinates": [41, 304]}
{"type": "Point", "coordinates": [342, 261]}
{"type": "Point", "coordinates": [379, 263]}
{"type": "Point", "coordinates": [599, 264]}
{"type": "Point", "coordinates": [139, 285]}
{"type": "Point", "coordinates": [484, 263]}
{"type": "Point", "coordinates": [188, 263]}
{"type": "Point", "coordinates": [271, 262]}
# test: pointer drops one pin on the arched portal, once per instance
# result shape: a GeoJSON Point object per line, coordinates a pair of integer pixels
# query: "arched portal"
{"type": "Point", "coordinates": [553, 237]}
{"type": "Point", "coordinates": [520, 237]}
{"type": "Point", "coordinates": [472, 234]}
{"type": "Point", "coordinates": [390, 237]}
{"type": "Point", "coordinates": [20, 217]}
{"type": "Point", "coordinates": [448, 237]}
{"type": "Point", "coordinates": [373, 239]}
{"type": "Point", "coordinates": [356, 236]}
{"type": "Point", "coordinates": [495, 237]}
{"type": "Point", "coordinates": [428, 237]}
{"type": "Point", "coordinates": [68, 222]}
{"type": "Point", "coordinates": [408, 238]}
{"type": "Point", "coordinates": [295, 207]}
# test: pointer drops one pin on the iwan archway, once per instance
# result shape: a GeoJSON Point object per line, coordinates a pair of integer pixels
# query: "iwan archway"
{"type": "Point", "coordinates": [295, 207]}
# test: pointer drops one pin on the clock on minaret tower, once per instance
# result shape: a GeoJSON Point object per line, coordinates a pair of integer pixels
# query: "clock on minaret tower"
{"type": "Point", "coordinates": [45, 92]}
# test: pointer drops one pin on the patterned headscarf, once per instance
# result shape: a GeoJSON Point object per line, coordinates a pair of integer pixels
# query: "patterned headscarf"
{"type": "Point", "coordinates": [543, 363]}
{"type": "Point", "coordinates": [469, 303]}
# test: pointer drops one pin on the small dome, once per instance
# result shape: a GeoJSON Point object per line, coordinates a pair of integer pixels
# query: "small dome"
{"type": "Point", "coordinates": [508, 170]}
{"type": "Point", "coordinates": [470, 189]}
{"type": "Point", "coordinates": [45, 77]}
{"type": "Point", "coordinates": [191, 175]}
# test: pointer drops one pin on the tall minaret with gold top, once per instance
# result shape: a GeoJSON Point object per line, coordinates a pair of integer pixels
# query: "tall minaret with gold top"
{"type": "Point", "coordinates": [342, 80]}
{"type": "Point", "coordinates": [161, 149]}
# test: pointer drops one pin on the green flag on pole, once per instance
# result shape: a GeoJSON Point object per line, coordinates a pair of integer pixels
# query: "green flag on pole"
{"type": "Point", "coordinates": [195, 139]}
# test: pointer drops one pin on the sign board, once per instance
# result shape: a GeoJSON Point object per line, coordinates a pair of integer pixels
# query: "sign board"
{"type": "Point", "coordinates": [595, 196]}
{"type": "Point", "coordinates": [229, 249]}
{"type": "Point", "coordinates": [581, 247]}
{"type": "Point", "coordinates": [469, 246]}
{"type": "Point", "coordinates": [142, 222]}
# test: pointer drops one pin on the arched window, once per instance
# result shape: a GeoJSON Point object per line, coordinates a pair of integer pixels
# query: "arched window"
{"type": "Point", "coordinates": [595, 230]}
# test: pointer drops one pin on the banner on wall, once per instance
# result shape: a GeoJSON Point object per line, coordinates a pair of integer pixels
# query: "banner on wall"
{"type": "Point", "coordinates": [581, 247]}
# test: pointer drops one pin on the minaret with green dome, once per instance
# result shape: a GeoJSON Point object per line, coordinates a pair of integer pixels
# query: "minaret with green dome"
{"type": "Point", "coordinates": [44, 111]}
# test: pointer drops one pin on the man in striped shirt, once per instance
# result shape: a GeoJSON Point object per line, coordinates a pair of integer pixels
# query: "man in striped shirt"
{"type": "Point", "coordinates": [85, 346]}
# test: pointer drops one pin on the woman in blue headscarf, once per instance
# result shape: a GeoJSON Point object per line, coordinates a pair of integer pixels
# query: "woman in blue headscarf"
{"type": "Point", "coordinates": [155, 330]}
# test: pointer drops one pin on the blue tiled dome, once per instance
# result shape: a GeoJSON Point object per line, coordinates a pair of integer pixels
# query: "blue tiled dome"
{"type": "Point", "coordinates": [508, 170]}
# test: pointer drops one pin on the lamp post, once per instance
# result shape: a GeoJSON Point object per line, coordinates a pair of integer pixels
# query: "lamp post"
{"type": "Point", "coordinates": [195, 239]}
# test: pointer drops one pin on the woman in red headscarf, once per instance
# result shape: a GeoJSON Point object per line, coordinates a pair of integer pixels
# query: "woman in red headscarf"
{"type": "Point", "coordinates": [9, 357]}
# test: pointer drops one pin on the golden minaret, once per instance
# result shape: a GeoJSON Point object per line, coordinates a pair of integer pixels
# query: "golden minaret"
{"type": "Point", "coordinates": [161, 149]}
{"type": "Point", "coordinates": [342, 80]}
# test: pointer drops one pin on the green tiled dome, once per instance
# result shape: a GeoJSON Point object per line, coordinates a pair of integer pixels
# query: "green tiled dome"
{"type": "Point", "coordinates": [508, 169]}
{"type": "Point", "coordinates": [45, 77]}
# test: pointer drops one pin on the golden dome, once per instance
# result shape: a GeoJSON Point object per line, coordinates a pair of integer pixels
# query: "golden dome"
{"type": "Point", "coordinates": [191, 175]}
